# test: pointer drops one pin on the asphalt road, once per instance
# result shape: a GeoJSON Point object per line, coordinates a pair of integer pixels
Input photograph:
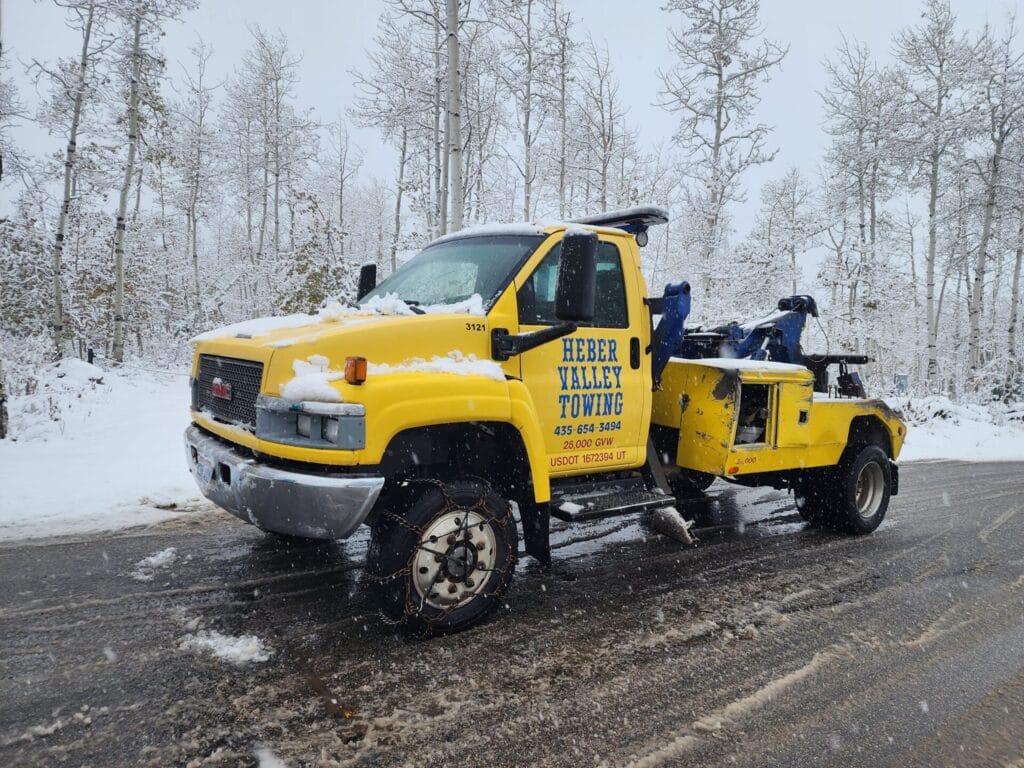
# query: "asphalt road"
{"type": "Point", "coordinates": [766, 644]}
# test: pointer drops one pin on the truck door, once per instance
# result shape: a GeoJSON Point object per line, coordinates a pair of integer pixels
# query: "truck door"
{"type": "Point", "coordinates": [591, 388]}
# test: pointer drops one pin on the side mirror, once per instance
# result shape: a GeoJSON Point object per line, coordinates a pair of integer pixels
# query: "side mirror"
{"type": "Point", "coordinates": [577, 278]}
{"type": "Point", "coordinates": [367, 280]}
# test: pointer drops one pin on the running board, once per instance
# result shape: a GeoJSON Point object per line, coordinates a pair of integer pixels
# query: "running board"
{"type": "Point", "coordinates": [593, 506]}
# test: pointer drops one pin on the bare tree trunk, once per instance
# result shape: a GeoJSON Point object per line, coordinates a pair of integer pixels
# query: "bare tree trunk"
{"type": "Point", "coordinates": [261, 238]}
{"type": "Point", "coordinates": [277, 167]}
{"type": "Point", "coordinates": [563, 87]}
{"type": "Point", "coordinates": [454, 115]}
{"type": "Point", "coordinates": [195, 264]}
{"type": "Point", "coordinates": [929, 285]}
{"type": "Point", "coordinates": [122, 206]}
{"type": "Point", "coordinates": [3, 385]}
{"type": "Point", "coordinates": [1013, 365]}
{"type": "Point", "coordinates": [341, 207]}
{"type": "Point", "coordinates": [3, 404]}
{"type": "Point", "coordinates": [69, 167]}
{"type": "Point", "coordinates": [527, 115]}
{"type": "Point", "coordinates": [248, 187]}
{"type": "Point", "coordinates": [714, 196]}
{"type": "Point", "coordinates": [440, 156]}
{"type": "Point", "coordinates": [138, 193]}
{"type": "Point", "coordinates": [978, 289]}
{"type": "Point", "coordinates": [403, 151]}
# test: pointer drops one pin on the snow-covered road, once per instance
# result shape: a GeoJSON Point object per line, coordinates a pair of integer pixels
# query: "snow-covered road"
{"type": "Point", "coordinates": [768, 643]}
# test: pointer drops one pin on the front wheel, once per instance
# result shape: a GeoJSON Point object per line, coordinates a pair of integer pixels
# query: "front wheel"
{"type": "Point", "coordinates": [442, 555]}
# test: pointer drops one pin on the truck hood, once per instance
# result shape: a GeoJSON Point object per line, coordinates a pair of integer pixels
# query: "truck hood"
{"type": "Point", "coordinates": [391, 343]}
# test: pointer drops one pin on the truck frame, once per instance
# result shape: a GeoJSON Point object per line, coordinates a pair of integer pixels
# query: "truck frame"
{"type": "Point", "coordinates": [507, 375]}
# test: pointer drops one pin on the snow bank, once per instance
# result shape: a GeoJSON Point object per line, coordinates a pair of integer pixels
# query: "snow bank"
{"type": "Point", "coordinates": [94, 449]}
{"type": "Point", "coordinates": [454, 363]}
{"type": "Point", "coordinates": [240, 650]}
{"type": "Point", "coordinates": [312, 382]}
{"type": "Point", "coordinates": [938, 428]}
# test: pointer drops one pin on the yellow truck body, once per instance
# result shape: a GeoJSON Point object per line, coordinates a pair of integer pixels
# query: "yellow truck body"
{"type": "Point", "coordinates": [803, 429]}
{"type": "Point", "coordinates": [501, 390]}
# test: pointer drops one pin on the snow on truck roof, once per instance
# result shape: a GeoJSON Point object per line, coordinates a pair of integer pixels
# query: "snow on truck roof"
{"type": "Point", "coordinates": [632, 220]}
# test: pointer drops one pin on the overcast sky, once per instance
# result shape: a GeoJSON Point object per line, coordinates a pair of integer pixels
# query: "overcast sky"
{"type": "Point", "coordinates": [332, 38]}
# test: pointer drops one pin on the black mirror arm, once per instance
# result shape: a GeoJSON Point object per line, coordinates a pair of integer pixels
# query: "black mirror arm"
{"type": "Point", "coordinates": [504, 345]}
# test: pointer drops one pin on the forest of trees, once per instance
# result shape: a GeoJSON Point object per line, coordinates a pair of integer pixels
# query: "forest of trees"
{"type": "Point", "coordinates": [171, 203]}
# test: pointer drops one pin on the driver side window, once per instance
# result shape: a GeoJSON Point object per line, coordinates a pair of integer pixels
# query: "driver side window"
{"type": "Point", "coordinates": [536, 298]}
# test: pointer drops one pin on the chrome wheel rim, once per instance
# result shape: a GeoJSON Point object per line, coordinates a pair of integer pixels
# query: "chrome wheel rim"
{"type": "Point", "coordinates": [870, 489]}
{"type": "Point", "coordinates": [455, 556]}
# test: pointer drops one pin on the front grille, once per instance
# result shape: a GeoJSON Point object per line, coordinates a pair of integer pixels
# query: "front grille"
{"type": "Point", "coordinates": [243, 376]}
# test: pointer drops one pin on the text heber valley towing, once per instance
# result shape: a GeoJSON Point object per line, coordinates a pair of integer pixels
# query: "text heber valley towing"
{"type": "Point", "coordinates": [586, 377]}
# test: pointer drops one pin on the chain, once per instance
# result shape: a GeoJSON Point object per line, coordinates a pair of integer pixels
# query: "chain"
{"type": "Point", "coordinates": [414, 604]}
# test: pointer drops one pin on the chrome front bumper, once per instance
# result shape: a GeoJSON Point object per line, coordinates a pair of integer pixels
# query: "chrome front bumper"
{"type": "Point", "coordinates": [294, 503]}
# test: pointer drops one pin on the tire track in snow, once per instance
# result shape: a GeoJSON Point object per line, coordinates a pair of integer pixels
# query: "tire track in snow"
{"type": "Point", "coordinates": [992, 527]}
{"type": "Point", "coordinates": [160, 594]}
{"type": "Point", "coordinates": [690, 736]}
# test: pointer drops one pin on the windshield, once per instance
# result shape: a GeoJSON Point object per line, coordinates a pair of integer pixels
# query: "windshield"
{"type": "Point", "coordinates": [454, 270]}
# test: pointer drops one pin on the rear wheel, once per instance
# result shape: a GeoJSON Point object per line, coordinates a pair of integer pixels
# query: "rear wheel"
{"type": "Point", "coordinates": [852, 497]}
{"type": "Point", "coordinates": [809, 493]}
{"type": "Point", "coordinates": [864, 484]}
{"type": "Point", "coordinates": [441, 555]}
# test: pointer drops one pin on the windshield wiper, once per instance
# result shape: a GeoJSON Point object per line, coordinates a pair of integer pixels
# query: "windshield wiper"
{"type": "Point", "coordinates": [415, 306]}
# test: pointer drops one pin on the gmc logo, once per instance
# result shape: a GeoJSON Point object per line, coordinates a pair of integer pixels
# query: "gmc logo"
{"type": "Point", "coordinates": [220, 388]}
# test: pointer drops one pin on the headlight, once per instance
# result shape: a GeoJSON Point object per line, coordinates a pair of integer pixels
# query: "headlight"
{"type": "Point", "coordinates": [330, 429]}
{"type": "Point", "coordinates": [310, 424]}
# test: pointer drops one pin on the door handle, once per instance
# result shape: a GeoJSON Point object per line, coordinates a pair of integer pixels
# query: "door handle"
{"type": "Point", "coordinates": [634, 352]}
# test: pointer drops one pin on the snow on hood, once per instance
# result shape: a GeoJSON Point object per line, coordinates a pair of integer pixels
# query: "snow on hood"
{"type": "Point", "coordinates": [259, 326]}
{"type": "Point", "coordinates": [334, 312]}
{"type": "Point", "coordinates": [312, 382]}
{"type": "Point", "coordinates": [455, 362]}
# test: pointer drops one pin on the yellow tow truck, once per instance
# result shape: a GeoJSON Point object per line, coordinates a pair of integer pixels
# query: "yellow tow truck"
{"type": "Point", "coordinates": [518, 369]}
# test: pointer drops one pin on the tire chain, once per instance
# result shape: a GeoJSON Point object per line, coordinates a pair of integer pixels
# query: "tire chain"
{"type": "Point", "coordinates": [409, 609]}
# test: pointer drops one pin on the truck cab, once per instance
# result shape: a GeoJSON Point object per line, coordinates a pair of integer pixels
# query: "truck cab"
{"type": "Point", "coordinates": [502, 368]}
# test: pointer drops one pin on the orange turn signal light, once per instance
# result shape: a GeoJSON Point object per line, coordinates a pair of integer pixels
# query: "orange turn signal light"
{"type": "Point", "coordinates": [355, 370]}
{"type": "Point", "coordinates": [733, 470]}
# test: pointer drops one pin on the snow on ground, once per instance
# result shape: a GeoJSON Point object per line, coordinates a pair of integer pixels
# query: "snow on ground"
{"type": "Point", "coordinates": [94, 450]}
{"type": "Point", "coordinates": [265, 758]}
{"type": "Point", "coordinates": [937, 428]}
{"type": "Point", "coordinates": [147, 567]}
{"type": "Point", "coordinates": [237, 650]}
